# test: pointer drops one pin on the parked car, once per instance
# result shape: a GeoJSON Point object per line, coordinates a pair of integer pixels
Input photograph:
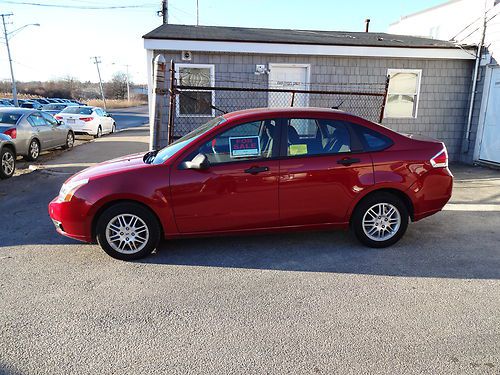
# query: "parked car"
{"type": "Point", "coordinates": [55, 108]}
{"type": "Point", "coordinates": [30, 104]}
{"type": "Point", "coordinates": [6, 103]}
{"type": "Point", "coordinates": [34, 131]}
{"type": "Point", "coordinates": [42, 101]}
{"type": "Point", "coordinates": [88, 120]}
{"type": "Point", "coordinates": [259, 170]}
{"type": "Point", "coordinates": [7, 157]}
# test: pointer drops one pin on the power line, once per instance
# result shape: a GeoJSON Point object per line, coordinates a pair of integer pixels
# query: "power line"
{"type": "Point", "coordinates": [80, 6]}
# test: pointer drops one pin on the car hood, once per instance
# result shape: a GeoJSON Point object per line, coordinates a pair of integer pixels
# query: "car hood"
{"type": "Point", "coordinates": [118, 165]}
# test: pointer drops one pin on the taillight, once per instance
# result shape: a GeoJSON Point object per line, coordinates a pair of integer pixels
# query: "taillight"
{"type": "Point", "coordinates": [11, 133]}
{"type": "Point", "coordinates": [440, 160]}
{"type": "Point", "coordinates": [86, 119]}
{"type": "Point", "coordinates": [58, 117]}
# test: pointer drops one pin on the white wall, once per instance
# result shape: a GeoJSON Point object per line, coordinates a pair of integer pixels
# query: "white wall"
{"type": "Point", "coordinates": [447, 21]}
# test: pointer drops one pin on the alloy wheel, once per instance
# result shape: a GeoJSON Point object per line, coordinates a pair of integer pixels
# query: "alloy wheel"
{"type": "Point", "coordinates": [8, 163]}
{"type": "Point", "coordinates": [70, 140]}
{"type": "Point", "coordinates": [127, 233]}
{"type": "Point", "coordinates": [34, 150]}
{"type": "Point", "coordinates": [381, 221]}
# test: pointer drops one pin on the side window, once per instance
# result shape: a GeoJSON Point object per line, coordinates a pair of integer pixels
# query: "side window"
{"type": "Point", "coordinates": [372, 141]}
{"type": "Point", "coordinates": [51, 120]}
{"type": "Point", "coordinates": [37, 120]}
{"type": "Point", "coordinates": [317, 137]}
{"type": "Point", "coordinates": [99, 112]}
{"type": "Point", "coordinates": [249, 141]}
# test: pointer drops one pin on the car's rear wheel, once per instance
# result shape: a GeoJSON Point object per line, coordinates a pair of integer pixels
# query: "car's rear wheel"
{"type": "Point", "coordinates": [8, 163]}
{"type": "Point", "coordinates": [70, 141]}
{"type": "Point", "coordinates": [113, 128]}
{"type": "Point", "coordinates": [128, 231]}
{"type": "Point", "coordinates": [98, 134]}
{"type": "Point", "coordinates": [33, 150]}
{"type": "Point", "coordinates": [380, 220]}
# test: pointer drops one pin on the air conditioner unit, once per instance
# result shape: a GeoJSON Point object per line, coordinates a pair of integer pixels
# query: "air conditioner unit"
{"type": "Point", "coordinates": [186, 55]}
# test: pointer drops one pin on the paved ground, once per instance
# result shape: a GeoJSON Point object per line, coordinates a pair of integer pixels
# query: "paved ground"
{"type": "Point", "coordinates": [304, 303]}
{"type": "Point", "coordinates": [130, 117]}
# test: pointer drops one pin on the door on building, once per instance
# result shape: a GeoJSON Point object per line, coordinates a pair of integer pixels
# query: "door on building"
{"type": "Point", "coordinates": [490, 139]}
{"type": "Point", "coordinates": [288, 77]}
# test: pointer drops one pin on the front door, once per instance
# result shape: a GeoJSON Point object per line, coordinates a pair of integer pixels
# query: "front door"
{"type": "Point", "coordinates": [321, 174]}
{"type": "Point", "coordinates": [240, 188]}
{"type": "Point", "coordinates": [490, 141]}
{"type": "Point", "coordinates": [288, 77]}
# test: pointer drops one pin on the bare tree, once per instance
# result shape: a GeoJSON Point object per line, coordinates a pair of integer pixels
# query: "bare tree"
{"type": "Point", "coordinates": [117, 87]}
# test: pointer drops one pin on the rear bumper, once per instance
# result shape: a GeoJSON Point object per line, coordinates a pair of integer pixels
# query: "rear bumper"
{"type": "Point", "coordinates": [70, 219]}
{"type": "Point", "coordinates": [431, 192]}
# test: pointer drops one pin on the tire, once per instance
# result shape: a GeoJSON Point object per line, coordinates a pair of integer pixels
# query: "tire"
{"type": "Point", "coordinates": [380, 220]}
{"type": "Point", "coordinates": [99, 132]}
{"type": "Point", "coordinates": [33, 150]}
{"type": "Point", "coordinates": [70, 141]}
{"type": "Point", "coordinates": [7, 163]}
{"type": "Point", "coordinates": [113, 128]}
{"type": "Point", "coordinates": [116, 236]}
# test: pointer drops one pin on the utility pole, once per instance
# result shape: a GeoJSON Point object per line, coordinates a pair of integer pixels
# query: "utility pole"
{"type": "Point", "coordinates": [197, 13]}
{"type": "Point", "coordinates": [14, 87]}
{"type": "Point", "coordinates": [128, 84]}
{"type": "Point", "coordinates": [164, 11]}
{"type": "Point", "coordinates": [97, 62]}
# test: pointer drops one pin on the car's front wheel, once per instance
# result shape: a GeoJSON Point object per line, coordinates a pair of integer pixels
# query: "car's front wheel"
{"type": "Point", "coordinates": [128, 231]}
{"type": "Point", "coordinates": [70, 141]}
{"type": "Point", "coordinates": [380, 220]}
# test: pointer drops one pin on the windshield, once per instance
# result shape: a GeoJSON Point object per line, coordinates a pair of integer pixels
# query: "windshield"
{"type": "Point", "coordinates": [56, 107]}
{"type": "Point", "coordinates": [78, 110]}
{"type": "Point", "coordinates": [9, 118]}
{"type": "Point", "coordinates": [171, 149]}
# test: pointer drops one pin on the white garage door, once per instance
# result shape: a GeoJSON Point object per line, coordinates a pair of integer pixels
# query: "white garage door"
{"type": "Point", "coordinates": [490, 141]}
{"type": "Point", "coordinates": [288, 77]}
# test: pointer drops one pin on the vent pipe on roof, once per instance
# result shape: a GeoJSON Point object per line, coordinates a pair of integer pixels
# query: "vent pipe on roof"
{"type": "Point", "coordinates": [367, 25]}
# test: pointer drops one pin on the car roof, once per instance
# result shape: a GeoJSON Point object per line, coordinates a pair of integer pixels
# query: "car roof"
{"type": "Point", "coordinates": [279, 111]}
{"type": "Point", "coordinates": [18, 110]}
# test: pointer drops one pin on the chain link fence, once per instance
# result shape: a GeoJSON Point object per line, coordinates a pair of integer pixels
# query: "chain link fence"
{"type": "Point", "coordinates": [192, 105]}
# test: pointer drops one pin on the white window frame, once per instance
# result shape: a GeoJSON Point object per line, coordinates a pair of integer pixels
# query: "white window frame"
{"type": "Point", "coordinates": [417, 99]}
{"type": "Point", "coordinates": [212, 83]}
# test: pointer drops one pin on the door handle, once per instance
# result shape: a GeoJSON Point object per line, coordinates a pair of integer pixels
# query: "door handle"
{"type": "Point", "coordinates": [348, 161]}
{"type": "Point", "coordinates": [255, 170]}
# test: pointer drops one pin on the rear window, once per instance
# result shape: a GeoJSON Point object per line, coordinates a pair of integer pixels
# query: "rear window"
{"type": "Point", "coordinates": [372, 141]}
{"type": "Point", "coordinates": [78, 110]}
{"type": "Point", "coordinates": [9, 118]}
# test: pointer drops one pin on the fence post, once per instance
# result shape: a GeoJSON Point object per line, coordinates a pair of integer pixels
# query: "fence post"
{"type": "Point", "coordinates": [293, 98]}
{"type": "Point", "coordinates": [171, 107]}
{"type": "Point", "coordinates": [382, 108]}
{"type": "Point", "coordinates": [158, 96]}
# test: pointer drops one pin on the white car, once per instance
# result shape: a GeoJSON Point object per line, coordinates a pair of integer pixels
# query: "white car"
{"type": "Point", "coordinates": [87, 120]}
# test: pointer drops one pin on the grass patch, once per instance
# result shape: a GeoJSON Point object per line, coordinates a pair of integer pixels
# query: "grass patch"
{"type": "Point", "coordinates": [116, 103]}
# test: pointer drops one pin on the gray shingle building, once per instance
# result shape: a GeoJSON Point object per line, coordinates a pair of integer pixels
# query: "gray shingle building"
{"type": "Point", "coordinates": [428, 90]}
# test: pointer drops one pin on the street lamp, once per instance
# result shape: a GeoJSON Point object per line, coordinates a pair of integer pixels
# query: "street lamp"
{"type": "Point", "coordinates": [128, 80]}
{"type": "Point", "coordinates": [7, 35]}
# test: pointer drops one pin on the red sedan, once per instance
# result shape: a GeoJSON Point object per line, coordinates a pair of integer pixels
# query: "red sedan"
{"type": "Point", "coordinates": [259, 170]}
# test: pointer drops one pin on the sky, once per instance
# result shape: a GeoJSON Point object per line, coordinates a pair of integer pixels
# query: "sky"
{"type": "Point", "coordinates": [67, 38]}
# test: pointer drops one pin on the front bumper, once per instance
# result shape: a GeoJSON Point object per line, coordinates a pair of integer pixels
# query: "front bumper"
{"type": "Point", "coordinates": [70, 219]}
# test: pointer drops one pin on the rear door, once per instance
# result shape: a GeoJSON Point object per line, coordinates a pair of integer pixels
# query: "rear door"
{"type": "Point", "coordinates": [43, 131]}
{"type": "Point", "coordinates": [322, 171]}
{"type": "Point", "coordinates": [240, 188]}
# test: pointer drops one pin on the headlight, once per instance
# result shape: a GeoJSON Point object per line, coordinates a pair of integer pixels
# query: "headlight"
{"type": "Point", "coordinates": [69, 188]}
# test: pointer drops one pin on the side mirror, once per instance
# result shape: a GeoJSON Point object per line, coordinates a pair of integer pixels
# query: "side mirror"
{"type": "Point", "coordinates": [199, 162]}
{"type": "Point", "coordinates": [59, 122]}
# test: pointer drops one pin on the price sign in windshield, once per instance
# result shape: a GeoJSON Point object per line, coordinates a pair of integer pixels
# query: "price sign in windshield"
{"type": "Point", "coordinates": [241, 147]}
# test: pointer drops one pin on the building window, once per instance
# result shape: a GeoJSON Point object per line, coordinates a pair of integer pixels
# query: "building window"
{"type": "Point", "coordinates": [403, 93]}
{"type": "Point", "coordinates": [192, 102]}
